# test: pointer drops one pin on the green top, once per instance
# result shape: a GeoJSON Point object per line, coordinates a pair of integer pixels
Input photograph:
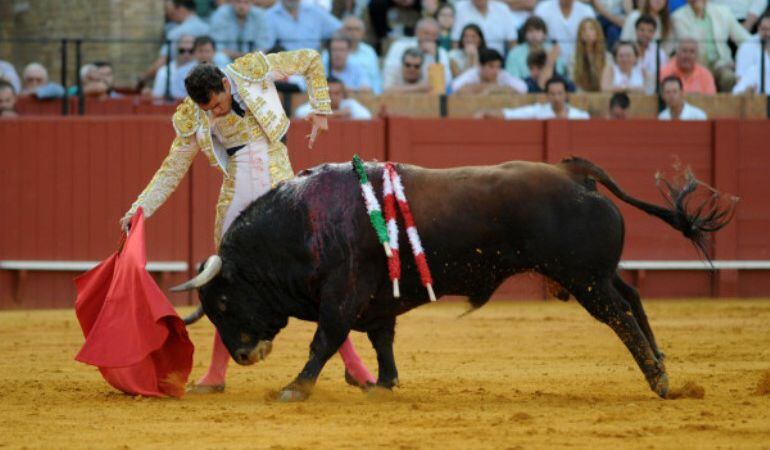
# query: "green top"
{"type": "Point", "coordinates": [709, 46]}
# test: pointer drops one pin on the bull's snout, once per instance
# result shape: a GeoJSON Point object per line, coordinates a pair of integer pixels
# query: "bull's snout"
{"type": "Point", "coordinates": [249, 356]}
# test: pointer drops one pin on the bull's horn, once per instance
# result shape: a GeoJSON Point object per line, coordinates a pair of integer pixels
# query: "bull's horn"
{"type": "Point", "coordinates": [210, 270]}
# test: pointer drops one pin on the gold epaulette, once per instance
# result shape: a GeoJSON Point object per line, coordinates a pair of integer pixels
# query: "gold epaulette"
{"type": "Point", "coordinates": [251, 67]}
{"type": "Point", "coordinates": [187, 118]}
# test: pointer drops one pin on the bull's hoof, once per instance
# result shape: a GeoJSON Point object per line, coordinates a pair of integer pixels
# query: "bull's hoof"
{"type": "Point", "coordinates": [660, 386]}
{"type": "Point", "coordinates": [202, 389]}
{"type": "Point", "coordinates": [349, 379]}
{"type": "Point", "coordinates": [288, 395]}
{"type": "Point", "coordinates": [389, 384]}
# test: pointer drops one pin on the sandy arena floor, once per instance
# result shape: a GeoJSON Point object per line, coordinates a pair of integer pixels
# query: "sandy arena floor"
{"type": "Point", "coordinates": [513, 375]}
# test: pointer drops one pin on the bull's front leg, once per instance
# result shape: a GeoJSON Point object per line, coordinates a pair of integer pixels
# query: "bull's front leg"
{"type": "Point", "coordinates": [382, 341]}
{"type": "Point", "coordinates": [333, 328]}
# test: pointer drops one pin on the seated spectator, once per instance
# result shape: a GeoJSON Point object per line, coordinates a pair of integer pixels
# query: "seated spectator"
{"type": "Point", "coordinates": [651, 57]}
{"type": "Point", "coordinates": [535, 33]}
{"type": "Point", "coordinates": [619, 106]}
{"type": "Point", "coordinates": [342, 106]}
{"type": "Point", "coordinates": [205, 51]}
{"type": "Point", "coordinates": [541, 69]}
{"type": "Point", "coordinates": [664, 29]}
{"type": "Point", "coordinates": [239, 27]}
{"type": "Point", "coordinates": [492, 16]}
{"type": "Point", "coordinates": [747, 12]}
{"type": "Point", "coordinates": [361, 53]}
{"type": "Point", "coordinates": [426, 35]}
{"type": "Point", "coordinates": [624, 74]}
{"type": "Point", "coordinates": [676, 107]}
{"type": "Point", "coordinates": [379, 10]}
{"type": "Point", "coordinates": [713, 25]}
{"type": "Point", "coordinates": [340, 67]}
{"type": "Point", "coordinates": [107, 75]}
{"type": "Point", "coordinates": [92, 83]}
{"type": "Point", "coordinates": [467, 55]}
{"type": "Point", "coordinates": [563, 18]}
{"type": "Point", "coordinates": [612, 15]}
{"type": "Point", "coordinates": [488, 78]}
{"type": "Point", "coordinates": [8, 73]}
{"type": "Point", "coordinates": [35, 82]}
{"type": "Point", "coordinates": [182, 13]}
{"type": "Point", "coordinates": [445, 16]}
{"type": "Point", "coordinates": [591, 57]}
{"type": "Point", "coordinates": [695, 78]}
{"type": "Point", "coordinates": [748, 61]}
{"type": "Point", "coordinates": [7, 99]}
{"type": "Point", "coordinates": [411, 80]}
{"type": "Point", "coordinates": [556, 108]}
{"type": "Point", "coordinates": [180, 67]}
{"type": "Point", "coordinates": [298, 25]}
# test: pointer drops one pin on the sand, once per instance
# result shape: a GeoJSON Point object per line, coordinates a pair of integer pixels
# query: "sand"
{"type": "Point", "coordinates": [513, 375]}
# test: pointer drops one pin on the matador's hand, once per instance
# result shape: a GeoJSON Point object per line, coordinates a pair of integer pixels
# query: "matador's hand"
{"type": "Point", "coordinates": [319, 124]}
{"type": "Point", "coordinates": [125, 222]}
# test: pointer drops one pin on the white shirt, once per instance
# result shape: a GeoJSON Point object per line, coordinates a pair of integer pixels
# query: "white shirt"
{"type": "Point", "coordinates": [564, 29]}
{"type": "Point", "coordinates": [178, 74]}
{"type": "Point", "coordinates": [473, 75]}
{"type": "Point", "coordinates": [391, 65]}
{"type": "Point", "coordinates": [542, 111]}
{"type": "Point", "coordinates": [742, 8]}
{"type": "Point", "coordinates": [498, 25]}
{"type": "Point", "coordinates": [633, 80]}
{"type": "Point", "coordinates": [748, 55]}
{"type": "Point", "coordinates": [749, 81]}
{"type": "Point", "coordinates": [357, 110]}
{"type": "Point", "coordinates": [689, 112]}
{"type": "Point", "coordinates": [649, 63]}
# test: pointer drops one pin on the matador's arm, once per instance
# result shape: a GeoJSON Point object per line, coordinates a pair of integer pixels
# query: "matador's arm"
{"type": "Point", "coordinates": [305, 62]}
{"type": "Point", "coordinates": [180, 157]}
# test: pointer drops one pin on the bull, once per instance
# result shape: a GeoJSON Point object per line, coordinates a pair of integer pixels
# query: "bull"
{"type": "Point", "coordinates": [307, 250]}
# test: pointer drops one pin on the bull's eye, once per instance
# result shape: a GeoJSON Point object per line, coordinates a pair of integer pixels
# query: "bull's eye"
{"type": "Point", "coordinates": [245, 338]}
{"type": "Point", "coordinates": [221, 305]}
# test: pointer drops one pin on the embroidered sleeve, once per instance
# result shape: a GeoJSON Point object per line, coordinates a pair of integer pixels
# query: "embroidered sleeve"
{"type": "Point", "coordinates": [167, 178]}
{"type": "Point", "coordinates": [305, 62]}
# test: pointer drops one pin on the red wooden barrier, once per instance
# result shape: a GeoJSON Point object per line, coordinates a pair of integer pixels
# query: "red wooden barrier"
{"type": "Point", "coordinates": [65, 182]}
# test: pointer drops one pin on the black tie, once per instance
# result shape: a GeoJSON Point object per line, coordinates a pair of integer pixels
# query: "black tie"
{"type": "Point", "coordinates": [237, 107]}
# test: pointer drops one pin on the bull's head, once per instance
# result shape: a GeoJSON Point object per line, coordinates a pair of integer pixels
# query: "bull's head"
{"type": "Point", "coordinates": [246, 322]}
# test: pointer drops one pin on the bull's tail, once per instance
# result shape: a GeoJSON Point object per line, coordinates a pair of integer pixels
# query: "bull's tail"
{"type": "Point", "coordinates": [694, 222]}
{"type": "Point", "coordinates": [194, 316]}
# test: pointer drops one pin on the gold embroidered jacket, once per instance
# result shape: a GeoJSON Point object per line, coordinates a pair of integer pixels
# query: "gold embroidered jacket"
{"type": "Point", "coordinates": [253, 77]}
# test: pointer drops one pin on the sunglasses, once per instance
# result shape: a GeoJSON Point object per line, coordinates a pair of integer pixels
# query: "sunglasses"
{"type": "Point", "coordinates": [411, 66]}
{"type": "Point", "coordinates": [182, 51]}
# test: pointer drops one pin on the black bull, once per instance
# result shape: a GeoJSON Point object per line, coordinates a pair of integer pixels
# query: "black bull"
{"type": "Point", "coordinates": [307, 250]}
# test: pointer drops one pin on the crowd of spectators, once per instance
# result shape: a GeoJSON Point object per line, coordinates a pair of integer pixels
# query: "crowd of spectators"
{"type": "Point", "coordinates": [461, 47]}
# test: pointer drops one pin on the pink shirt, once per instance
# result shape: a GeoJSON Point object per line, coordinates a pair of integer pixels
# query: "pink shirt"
{"type": "Point", "coordinates": [700, 81]}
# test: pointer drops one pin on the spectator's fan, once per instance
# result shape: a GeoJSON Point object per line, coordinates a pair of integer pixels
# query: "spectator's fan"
{"type": "Point", "coordinates": [557, 107]}
{"type": "Point", "coordinates": [488, 77]}
{"type": "Point", "coordinates": [445, 16]}
{"type": "Point", "coordinates": [410, 79]}
{"type": "Point", "coordinates": [7, 99]}
{"type": "Point", "coordinates": [659, 11]}
{"type": "Point", "coordinates": [535, 33]}
{"type": "Point", "coordinates": [239, 27]}
{"type": "Point", "coordinates": [694, 78]}
{"type": "Point", "coordinates": [623, 74]}
{"type": "Point", "coordinates": [467, 55]}
{"type": "Point", "coordinates": [590, 57]}
{"type": "Point", "coordinates": [492, 16]}
{"type": "Point", "coordinates": [343, 107]}
{"type": "Point", "coordinates": [712, 25]}
{"type": "Point", "coordinates": [676, 107]}
{"type": "Point", "coordinates": [298, 25]}
{"type": "Point", "coordinates": [35, 82]}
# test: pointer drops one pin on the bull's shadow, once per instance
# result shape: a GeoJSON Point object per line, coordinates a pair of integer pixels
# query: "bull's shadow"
{"type": "Point", "coordinates": [307, 250]}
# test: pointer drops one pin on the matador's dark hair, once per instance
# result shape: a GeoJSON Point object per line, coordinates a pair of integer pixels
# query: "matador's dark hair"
{"type": "Point", "coordinates": [205, 79]}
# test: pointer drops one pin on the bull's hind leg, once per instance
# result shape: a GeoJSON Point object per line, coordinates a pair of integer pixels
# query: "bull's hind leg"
{"type": "Point", "coordinates": [631, 296]}
{"type": "Point", "coordinates": [382, 341]}
{"type": "Point", "coordinates": [606, 304]}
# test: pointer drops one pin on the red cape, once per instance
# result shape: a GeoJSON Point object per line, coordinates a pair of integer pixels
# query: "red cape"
{"type": "Point", "coordinates": [133, 335]}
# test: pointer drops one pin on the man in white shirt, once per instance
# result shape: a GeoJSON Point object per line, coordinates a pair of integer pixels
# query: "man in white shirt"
{"type": "Point", "coordinates": [489, 77]}
{"type": "Point", "coordinates": [746, 11]}
{"type": "Point", "coordinates": [362, 53]}
{"type": "Point", "coordinates": [563, 18]}
{"type": "Point", "coordinates": [492, 16]}
{"type": "Point", "coordinates": [180, 67]}
{"type": "Point", "coordinates": [651, 57]}
{"type": "Point", "coordinates": [426, 35]}
{"type": "Point", "coordinates": [677, 108]}
{"type": "Point", "coordinates": [342, 106]}
{"type": "Point", "coordinates": [748, 55]}
{"type": "Point", "coordinates": [556, 108]}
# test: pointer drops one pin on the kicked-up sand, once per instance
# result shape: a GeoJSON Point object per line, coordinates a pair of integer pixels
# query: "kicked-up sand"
{"type": "Point", "coordinates": [512, 375]}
